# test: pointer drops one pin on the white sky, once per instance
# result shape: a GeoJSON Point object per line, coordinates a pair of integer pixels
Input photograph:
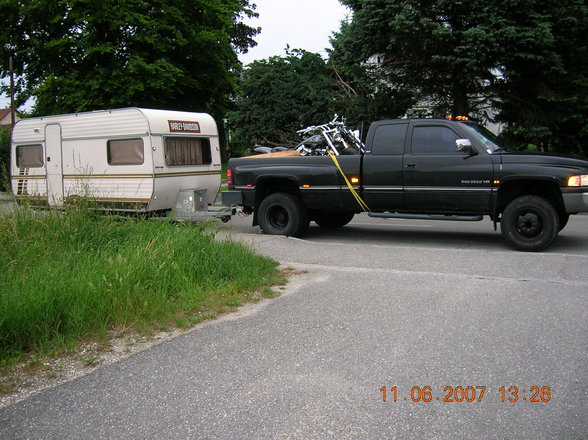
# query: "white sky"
{"type": "Point", "coordinates": [4, 101]}
{"type": "Point", "coordinates": [303, 24]}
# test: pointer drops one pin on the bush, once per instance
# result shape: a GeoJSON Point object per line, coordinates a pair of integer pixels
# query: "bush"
{"type": "Point", "coordinates": [4, 160]}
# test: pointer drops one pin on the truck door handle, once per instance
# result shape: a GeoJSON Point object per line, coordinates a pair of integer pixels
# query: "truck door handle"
{"type": "Point", "coordinates": [410, 165]}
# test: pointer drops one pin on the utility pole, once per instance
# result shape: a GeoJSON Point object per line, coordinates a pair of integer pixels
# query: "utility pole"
{"type": "Point", "coordinates": [12, 109]}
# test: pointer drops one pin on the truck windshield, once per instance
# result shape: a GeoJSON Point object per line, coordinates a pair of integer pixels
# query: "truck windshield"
{"type": "Point", "coordinates": [485, 137]}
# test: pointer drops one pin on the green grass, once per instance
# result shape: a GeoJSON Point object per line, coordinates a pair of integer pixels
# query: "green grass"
{"type": "Point", "coordinates": [65, 277]}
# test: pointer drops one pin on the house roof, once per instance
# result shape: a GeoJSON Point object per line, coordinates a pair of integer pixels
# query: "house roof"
{"type": "Point", "coordinates": [4, 112]}
{"type": "Point", "coordinates": [5, 118]}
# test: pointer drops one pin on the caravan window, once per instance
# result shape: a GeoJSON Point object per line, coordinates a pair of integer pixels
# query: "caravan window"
{"type": "Point", "coordinates": [125, 152]}
{"type": "Point", "coordinates": [29, 156]}
{"type": "Point", "coordinates": [187, 151]}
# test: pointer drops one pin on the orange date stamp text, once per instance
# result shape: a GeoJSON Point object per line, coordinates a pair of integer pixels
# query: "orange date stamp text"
{"type": "Point", "coordinates": [506, 394]}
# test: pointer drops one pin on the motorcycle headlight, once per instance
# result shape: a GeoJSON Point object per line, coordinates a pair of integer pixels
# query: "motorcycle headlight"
{"type": "Point", "coordinates": [578, 180]}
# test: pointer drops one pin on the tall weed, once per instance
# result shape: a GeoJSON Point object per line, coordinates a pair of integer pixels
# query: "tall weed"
{"type": "Point", "coordinates": [74, 275]}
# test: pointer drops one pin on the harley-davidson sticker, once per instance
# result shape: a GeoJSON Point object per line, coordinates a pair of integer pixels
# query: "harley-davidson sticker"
{"type": "Point", "coordinates": [184, 126]}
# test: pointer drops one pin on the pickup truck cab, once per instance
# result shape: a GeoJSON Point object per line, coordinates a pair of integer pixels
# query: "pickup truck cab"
{"type": "Point", "coordinates": [416, 168]}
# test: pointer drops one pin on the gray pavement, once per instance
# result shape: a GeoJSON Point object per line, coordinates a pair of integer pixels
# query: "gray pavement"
{"type": "Point", "coordinates": [376, 304]}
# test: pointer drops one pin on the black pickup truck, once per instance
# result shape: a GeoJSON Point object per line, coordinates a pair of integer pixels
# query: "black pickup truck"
{"type": "Point", "coordinates": [420, 169]}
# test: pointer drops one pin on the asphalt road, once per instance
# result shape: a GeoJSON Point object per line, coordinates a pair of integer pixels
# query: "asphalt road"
{"type": "Point", "coordinates": [404, 304]}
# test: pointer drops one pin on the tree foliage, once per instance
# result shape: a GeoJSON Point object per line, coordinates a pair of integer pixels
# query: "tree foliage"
{"type": "Point", "coordinates": [361, 93]}
{"type": "Point", "coordinates": [544, 87]}
{"type": "Point", "coordinates": [279, 96]}
{"type": "Point", "coordinates": [76, 55]}
{"type": "Point", "coordinates": [443, 51]}
{"type": "Point", "coordinates": [521, 61]}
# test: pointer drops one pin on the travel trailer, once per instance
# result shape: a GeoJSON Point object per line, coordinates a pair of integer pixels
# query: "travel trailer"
{"type": "Point", "coordinates": [129, 159]}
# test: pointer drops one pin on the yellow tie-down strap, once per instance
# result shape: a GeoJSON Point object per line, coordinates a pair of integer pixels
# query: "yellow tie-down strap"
{"type": "Point", "coordinates": [362, 204]}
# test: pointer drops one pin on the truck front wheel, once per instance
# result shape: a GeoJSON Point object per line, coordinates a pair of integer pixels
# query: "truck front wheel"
{"type": "Point", "coordinates": [530, 223]}
{"type": "Point", "coordinates": [283, 214]}
{"type": "Point", "coordinates": [333, 219]}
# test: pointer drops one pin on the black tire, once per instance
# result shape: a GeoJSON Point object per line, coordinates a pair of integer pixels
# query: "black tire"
{"type": "Point", "coordinates": [336, 219]}
{"type": "Point", "coordinates": [530, 223]}
{"type": "Point", "coordinates": [283, 214]}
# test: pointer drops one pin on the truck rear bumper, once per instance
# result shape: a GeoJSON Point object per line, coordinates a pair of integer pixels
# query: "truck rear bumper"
{"type": "Point", "coordinates": [576, 202]}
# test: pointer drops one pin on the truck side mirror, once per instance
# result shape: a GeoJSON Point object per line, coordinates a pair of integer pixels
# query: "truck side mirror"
{"type": "Point", "coordinates": [465, 146]}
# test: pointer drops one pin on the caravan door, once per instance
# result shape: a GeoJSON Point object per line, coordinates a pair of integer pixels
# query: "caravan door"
{"type": "Point", "coordinates": [54, 164]}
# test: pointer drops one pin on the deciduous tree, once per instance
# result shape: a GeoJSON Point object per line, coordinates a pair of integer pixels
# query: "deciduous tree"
{"type": "Point", "coordinates": [76, 55]}
{"type": "Point", "coordinates": [279, 96]}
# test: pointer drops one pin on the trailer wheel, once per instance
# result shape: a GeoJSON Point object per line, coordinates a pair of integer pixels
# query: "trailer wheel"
{"type": "Point", "coordinates": [336, 219]}
{"type": "Point", "coordinates": [530, 223]}
{"type": "Point", "coordinates": [283, 214]}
